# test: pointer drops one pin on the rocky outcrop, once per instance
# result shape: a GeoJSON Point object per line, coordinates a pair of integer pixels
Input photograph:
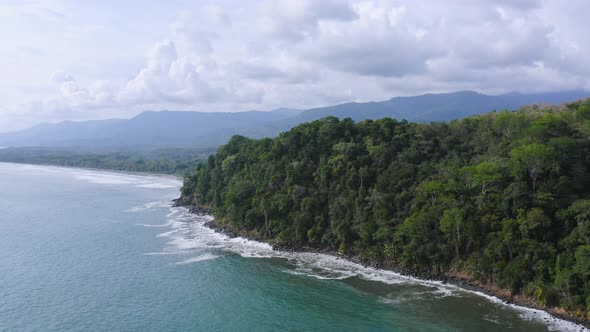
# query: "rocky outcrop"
{"type": "Point", "coordinates": [189, 204]}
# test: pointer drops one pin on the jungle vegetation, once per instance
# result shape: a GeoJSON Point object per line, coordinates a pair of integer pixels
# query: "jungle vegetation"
{"type": "Point", "coordinates": [503, 196]}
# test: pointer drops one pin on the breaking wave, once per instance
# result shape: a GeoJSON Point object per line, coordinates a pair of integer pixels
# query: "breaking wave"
{"type": "Point", "coordinates": [189, 233]}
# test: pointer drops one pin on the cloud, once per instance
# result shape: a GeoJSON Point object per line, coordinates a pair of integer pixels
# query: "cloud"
{"type": "Point", "coordinates": [60, 77]}
{"type": "Point", "coordinates": [465, 44]}
{"type": "Point", "coordinates": [295, 20]}
{"type": "Point", "coordinates": [504, 40]}
{"type": "Point", "coordinates": [54, 14]}
{"type": "Point", "coordinates": [177, 72]}
{"type": "Point", "coordinates": [169, 77]}
{"type": "Point", "coordinates": [235, 56]}
{"type": "Point", "coordinates": [392, 41]}
{"type": "Point", "coordinates": [217, 15]}
{"type": "Point", "coordinates": [379, 42]}
{"type": "Point", "coordinates": [517, 4]}
{"type": "Point", "coordinates": [283, 68]}
{"type": "Point", "coordinates": [257, 70]}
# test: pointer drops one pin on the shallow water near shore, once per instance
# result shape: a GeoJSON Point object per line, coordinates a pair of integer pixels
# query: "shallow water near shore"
{"type": "Point", "coordinates": [93, 250]}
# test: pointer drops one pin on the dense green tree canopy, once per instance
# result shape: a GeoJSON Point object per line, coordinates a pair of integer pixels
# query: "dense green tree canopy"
{"type": "Point", "coordinates": [503, 196]}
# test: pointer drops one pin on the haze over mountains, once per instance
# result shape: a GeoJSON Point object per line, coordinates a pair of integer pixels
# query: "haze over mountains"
{"type": "Point", "coordinates": [212, 129]}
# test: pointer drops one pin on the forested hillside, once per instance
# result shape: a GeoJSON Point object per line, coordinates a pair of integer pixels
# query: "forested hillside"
{"type": "Point", "coordinates": [503, 197]}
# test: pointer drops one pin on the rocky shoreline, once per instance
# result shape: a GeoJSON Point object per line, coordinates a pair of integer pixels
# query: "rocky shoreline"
{"type": "Point", "coordinates": [456, 278]}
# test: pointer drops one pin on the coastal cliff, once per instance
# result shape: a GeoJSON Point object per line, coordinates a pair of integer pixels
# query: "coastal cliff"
{"type": "Point", "coordinates": [499, 202]}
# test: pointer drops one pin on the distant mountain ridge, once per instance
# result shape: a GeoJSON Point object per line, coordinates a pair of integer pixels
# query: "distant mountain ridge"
{"type": "Point", "coordinates": [210, 129]}
{"type": "Point", "coordinates": [147, 129]}
{"type": "Point", "coordinates": [439, 107]}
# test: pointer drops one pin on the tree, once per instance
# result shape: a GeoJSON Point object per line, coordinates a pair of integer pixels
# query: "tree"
{"type": "Point", "coordinates": [504, 196]}
{"type": "Point", "coordinates": [486, 174]}
{"type": "Point", "coordinates": [452, 225]}
{"type": "Point", "coordinates": [583, 112]}
{"type": "Point", "coordinates": [533, 159]}
{"type": "Point", "coordinates": [533, 223]}
{"type": "Point", "coordinates": [583, 261]}
{"type": "Point", "coordinates": [579, 212]}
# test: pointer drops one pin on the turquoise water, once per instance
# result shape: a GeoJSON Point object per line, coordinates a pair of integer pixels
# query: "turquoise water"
{"type": "Point", "coordinates": [103, 251]}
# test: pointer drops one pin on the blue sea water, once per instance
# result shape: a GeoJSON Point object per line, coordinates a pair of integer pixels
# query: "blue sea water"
{"type": "Point", "coordinates": [84, 250]}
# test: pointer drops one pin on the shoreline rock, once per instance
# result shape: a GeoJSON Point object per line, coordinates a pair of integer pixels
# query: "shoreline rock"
{"type": "Point", "coordinates": [453, 278]}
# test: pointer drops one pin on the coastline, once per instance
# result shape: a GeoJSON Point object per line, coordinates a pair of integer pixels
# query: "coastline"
{"type": "Point", "coordinates": [455, 278]}
{"type": "Point", "coordinates": [107, 170]}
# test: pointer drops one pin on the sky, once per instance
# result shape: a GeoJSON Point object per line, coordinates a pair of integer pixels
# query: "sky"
{"type": "Point", "coordinates": [82, 59]}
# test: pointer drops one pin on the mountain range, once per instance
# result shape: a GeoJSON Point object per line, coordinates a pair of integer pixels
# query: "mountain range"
{"type": "Point", "coordinates": [166, 129]}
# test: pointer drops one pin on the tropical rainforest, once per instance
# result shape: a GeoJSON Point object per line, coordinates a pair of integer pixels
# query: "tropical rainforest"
{"type": "Point", "coordinates": [503, 196]}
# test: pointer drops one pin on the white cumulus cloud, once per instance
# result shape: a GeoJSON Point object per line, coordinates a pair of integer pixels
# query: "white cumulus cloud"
{"type": "Point", "coordinates": [234, 55]}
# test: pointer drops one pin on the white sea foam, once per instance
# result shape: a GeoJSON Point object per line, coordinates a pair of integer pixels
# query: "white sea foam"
{"type": "Point", "coordinates": [114, 178]}
{"type": "Point", "coordinates": [168, 234]}
{"type": "Point", "coordinates": [168, 252]}
{"type": "Point", "coordinates": [553, 323]}
{"type": "Point", "coordinates": [103, 178]}
{"type": "Point", "coordinates": [153, 225]}
{"type": "Point", "coordinates": [108, 177]}
{"type": "Point", "coordinates": [149, 206]}
{"type": "Point", "coordinates": [201, 258]}
{"type": "Point", "coordinates": [318, 274]}
{"type": "Point", "coordinates": [494, 320]}
{"type": "Point", "coordinates": [158, 185]}
{"type": "Point", "coordinates": [188, 232]}
{"type": "Point", "coordinates": [413, 295]}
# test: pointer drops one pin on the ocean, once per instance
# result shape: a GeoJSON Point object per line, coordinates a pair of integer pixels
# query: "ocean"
{"type": "Point", "coordinates": [86, 250]}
